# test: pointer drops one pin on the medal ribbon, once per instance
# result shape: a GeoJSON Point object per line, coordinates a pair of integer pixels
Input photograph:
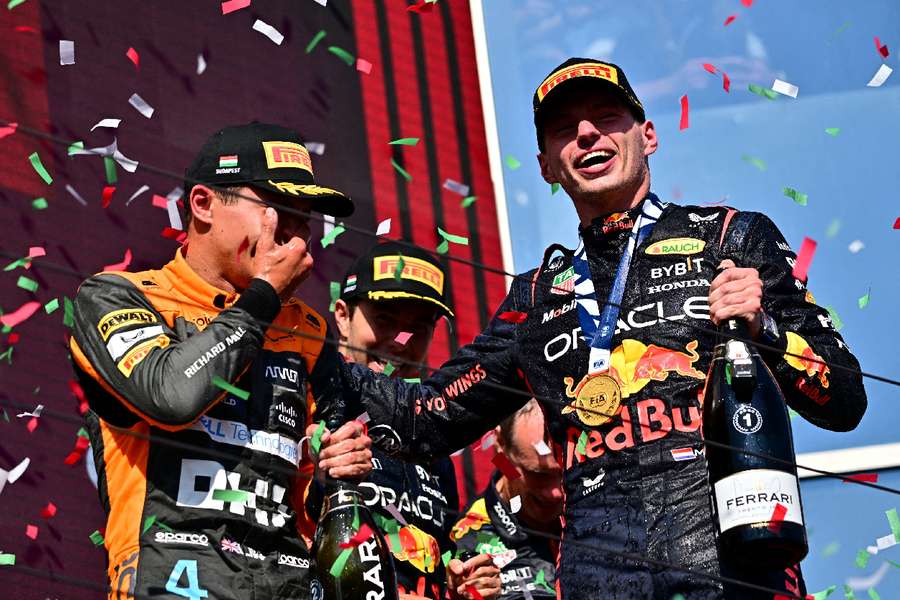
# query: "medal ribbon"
{"type": "Point", "coordinates": [598, 327]}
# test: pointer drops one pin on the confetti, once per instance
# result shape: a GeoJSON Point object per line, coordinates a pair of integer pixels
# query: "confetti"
{"type": "Point", "coordinates": [873, 594]}
{"type": "Point", "coordinates": [364, 533]}
{"type": "Point", "coordinates": [8, 130]}
{"type": "Point", "coordinates": [581, 446]}
{"type": "Point", "coordinates": [797, 197]}
{"type": "Point", "coordinates": [334, 289]}
{"type": "Point", "coordinates": [756, 162]}
{"type": "Point", "coordinates": [683, 124]}
{"type": "Point", "coordinates": [512, 162]}
{"type": "Point", "coordinates": [18, 470]}
{"type": "Point", "coordinates": [81, 444]}
{"type": "Point", "coordinates": [862, 559]}
{"type": "Point", "coordinates": [804, 258]}
{"type": "Point", "coordinates": [870, 477]}
{"type": "Point", "coordinates": [232, 5]}
{"type": "Point", "coordinates": [66, 52]}
{"type": "Point", "coordinates": [39, 168]}
{"type": "Point", "coordinates": [446, 556]}
{"type": "Point", "coordinates": [880, 76]}
{"type": "Point", "coordinates": [833, 131]}
{"type": "Point", "coordinates": [761, 91]}
{"type": "Point", "coordinates": [515, 504]}
{"type": "Point", "coordinates": [835, 319]}
{"type": "Point", "coordinates": [51, 306]}
{"type": "Point", "coordinates": [777, 517]}
{"type": "Point", "coordinates": [363, 66]}
{"type": "Point", "coordinates": [831, 549]}
{"type": "Point", "coordinates": [31, 531]}
{"type": "Point", "coordinates": [342, 54]}
{"type": "Point", "coordinates": [488, 440]}
{"type": "Point", "coordinates": [231, 389]}
{"type": "Point", "coordinates": [27, 284]}
{"type": "Point", "coordinates": [76, 148]}
{"type": "Point", "coordinates": [468, 201]}
{"type": "Point", "coordinates": [456, 239]}
{"type": "Point", "coordinates": [400, 170]}
{"type": "Point", "coordinates": [542, 448]}
{"type": "Point", "coordinates": [97, 538]}
{"type": "Point", "coordinates": [897, 223]}
{"type": "Point", "coordinates": [268, 31]}
{"type": "Point", "coordinates": [148, 523]}
{"type": "Point", "coordinates": [395, 512]}
{"type": "Point", "coordinates": [20, 314]}
{"type": "Point", "coordinates": [338, 566]}
{"type": "Point", "coordinates": [230, 495]}
{"type": "Point", "coordinates": [384, 227]}
{"type": "Point", "coordinates": [316, 440]}
{"type": "Point", "coordinates": [505, 466]}
{"type": "Point", "coordinates": [134, 57]}
{"type": "Point", "coordinates": [894, 522]}
{"type": "Point", "coordinates": [39, 203]}
{"type": "Point", "coordinates": [74, 193]}
{"type": "Point", "coordinates": [121, 266]}
{"type": "Point", "coordinates": [110, 123]}
{"type": "Point", "coordinates": [443, 247]}
{"type": "Point", "coordinates": [315, 40]}
{"type": "Point", "coordinates": [332, 235]}
{"type": "Point", "coordinates": [108, 192]}
{"type": "Point", "coordinates": [410, 141]}
{"type": "Point", "coordinates": [882, 48]}
{"type": "Point", "coordinates": [785, 88]}
{"type": "Point", "coordinates": [389, 369]}
{"type": "Point", "coordinates": [730, 20]}
{"type": "Point", "coordinates": [141, 105]}
{"type": "Point", "coordinates": [7, 559]}
{"type": "Point", "coordinates": [457, 187]}
{"type": "Point", "coordinates": [420, 7]}
{"type": "Point", "coordinates": [49, 511]}
{"type": "Point", "coordinates": [201, 64]}
{"type": "Point", "coordinates": [403, 337]}
{"type": "Point", "coordinates": [317, 148]}
{"type": "Point", "coordinates": [863, 301]}
{"type": "Point", "coordinates": [321, 2]}
{"type": "Point", "coordinates": [512, 316]}
{"type": "Point", "coordinates": [833, 228]}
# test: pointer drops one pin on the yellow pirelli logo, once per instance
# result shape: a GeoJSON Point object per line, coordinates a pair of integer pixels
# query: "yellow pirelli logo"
{"type": "Point", "coordinates": [117, 319]}
{"type": "Point", "coordinates": [588, 69]}
{"type": "Point", "coordinates": [139, 353]}
{"type": "Point", "coordinates": [287, 154]}
{"type": "Point", "coordinates": [414, 269]}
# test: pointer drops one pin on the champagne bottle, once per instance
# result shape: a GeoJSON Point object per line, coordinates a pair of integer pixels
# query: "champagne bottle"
{"type": "Point", "coordinates": [755, 500]}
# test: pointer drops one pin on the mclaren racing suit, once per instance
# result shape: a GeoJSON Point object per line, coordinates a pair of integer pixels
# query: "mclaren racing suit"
{"type": "Point", "coordinates": [637, 484]}
{"type": "Point", "coordinates": [198, 479]}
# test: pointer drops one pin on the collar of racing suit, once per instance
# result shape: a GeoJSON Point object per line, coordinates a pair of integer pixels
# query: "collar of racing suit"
{"type": "Point", "coordinates": [606, 226]}
{"type": "Point", "coordinates": [502, 518]}
{"type": "Point", "coordinates": [181, 276]}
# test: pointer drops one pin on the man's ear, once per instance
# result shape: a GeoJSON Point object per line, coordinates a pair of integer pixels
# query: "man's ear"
{"type": "Point", "coordinates": [548, 176]}
{"type": "Point", "coordinates": [342, 318]}
{"type": "Point", "coordinates": [200, 204]}
{"type": "Point", "coordinates": [651, 142]}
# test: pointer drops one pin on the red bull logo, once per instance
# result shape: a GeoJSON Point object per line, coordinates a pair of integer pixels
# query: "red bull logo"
{"type": "Point", "coordinates": [617, 222]}
{"type": "Point", "coordinates": [805, 359]}
{"type": "Point", "coordinates": [476, 518]}
{"type": "Point", "coordinates": [418, 549]}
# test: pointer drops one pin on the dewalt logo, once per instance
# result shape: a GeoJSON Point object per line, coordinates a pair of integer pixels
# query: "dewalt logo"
{"type": "Point", "coordinates": [117, 319]}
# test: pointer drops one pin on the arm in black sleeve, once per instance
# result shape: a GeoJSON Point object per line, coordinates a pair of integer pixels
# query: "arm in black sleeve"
{"type": "Point", "coordinates": [831, 398]}
{"type": "Point", "coordinates": [121, 340]}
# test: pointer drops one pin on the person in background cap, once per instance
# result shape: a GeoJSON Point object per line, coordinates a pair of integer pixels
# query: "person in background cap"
{"type": "Point", "coordinates": [619, 368]}
{"type": "Point", "coordinates": [391, 299]}
{"type": "Point", "coordinates": [200, 390]}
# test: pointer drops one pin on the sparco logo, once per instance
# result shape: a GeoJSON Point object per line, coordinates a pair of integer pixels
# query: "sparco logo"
{"type": "Point", "coordinates": [293, 561]}
{"type": "Point", "coordinates": [176, 537]}
{"type": "Point", "coordinates": [505, 519]}
{"type": "Point", "coordinates": [560, 310]}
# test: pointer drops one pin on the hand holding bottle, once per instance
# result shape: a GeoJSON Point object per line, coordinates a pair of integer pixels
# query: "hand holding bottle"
{"type": "Point", "coordinates": [345, 453]}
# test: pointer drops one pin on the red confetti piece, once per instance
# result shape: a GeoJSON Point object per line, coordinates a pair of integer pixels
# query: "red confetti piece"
{"type": "Point", "coordinates": [897, 223]}
{"type": "Point", "coordinates": [232, 5]}
{"type": "Point", "coordinates": [122, 266]}
{"type": "Point", "coordinates": [25, 29]}
{"type": "Point", "coordinates": [474, 592]}
{"type": "Point", "coordinates": [20, 314]}
{"type": "Point", "coordinates": [506, 467]}
{"type": "Point", "coordinates": [869, 477]}
{"type": "Point", "coordinates": [134, 57]}
{"type": "Point", "coordinates": [804, 258]}
{"type": "Point", "coordinates": [81, 444]}
{"type": "Point", "coordinates": [684, 113]}
{"type": "Point", "coordinates": [8, 130]}
{"type": "Point", "coordinates": [726, 83]}
{"type": "Point", "coordinates": [12, 338]}
{"type": "Point", "coordinates": [76, 390]}
{"type": "Point", "coordinates": [34, 252]}
{"type": "Point", "coordinates": [241, 249]}
{"type": "Point", "coordinates": [777, 517]}
{"type": "Point", "coordinates": [160, 202]}
{"type": "Point", "coordinates": [31, 531]}
{"type": "Point", "coordinates": [108, 192]}
{"type": "Point", "coordinates": [363, 66]}
{"type": "Point", "coordinates": [513, 316]}
{"type": "Point", "coordinates": [730, 20]}
{"type": "Point", "coordinates": [420, 7]}
{"type": "Point", "coordinates": [882, 49]}
{"type": "Point", "coordinates": [710, 68]}
{"type": "Point", "coordinates": [364, 533]}
{"type": "Point", "coordinates": [32, 424]}
{"type": "Point", "coordinates": [174, 234]}
{"type": "Point", "coordinates": [747, 3]}
{"type": "Point", "coordinates": [49, 511]}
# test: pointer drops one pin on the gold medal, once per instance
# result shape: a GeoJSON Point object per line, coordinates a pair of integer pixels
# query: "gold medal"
{"type": "Point", "coordinates": [597, 398]}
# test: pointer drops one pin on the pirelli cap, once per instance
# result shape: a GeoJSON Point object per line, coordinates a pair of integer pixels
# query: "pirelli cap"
{"type": "Point", "coordinates": [373, 276]}
{"type": "Point", "coordinates": [268, 157]}
{"type": "Point", "coordinates": [583, 69]}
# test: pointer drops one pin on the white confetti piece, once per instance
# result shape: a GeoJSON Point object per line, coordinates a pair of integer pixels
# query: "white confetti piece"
{"type": "Point", "coordinates": [125, 162]}
{"type": "Point", "coordinates": [327, 224]}
{"type": "Point", "coordinates": [488, 440]}
{"type": "Point", "coordinates": [886, 541]}
{"type": "Point", "coordinates": [515, 504]}
{"type": "Point", "coordinates": [268, 31]}
{"type": "Point", "coordinates": [174, 215]}
{"type": "Point", "coordinates": [17, 471]}
{"type": "Point", "coordinates": [864, 583]}
{"type": "Point", "coordinates": [396, 514]}
{"type": "Point", "coordinates": [363, 418]}
{"type": "Point", "coordinates": [321, 2]}
{"type": "Point", "coordinates": [455, 186]}
{"type": "Point", "coordinates": [785, 88]}
{"type": "Point", "coordinates": [111, 123]}
{"type": "Point", "coordinates": [141, 105]}
{"type": "Point", "coordinates": [3, 477]}
{"type": "Point", "coordinates": [542, 448]}
{"type": "Point", "coordinates": [317, 148]}
{"type": "Point", "coordinates": [855, 246]}
{"type": "Point", "coordinates": [384, 227]}
{"type": "Point", "coordinates": [66, 52]}
{"type": "Point", "coordinates": [142, 189]}
{"type": "Point", "coordinates": [403, 337]}
{"type": "Point", "coordinates": [880, 76]}
{"type": "Point", "coordinates": [873, 550]}
{"type": "Point", "coordinates": [76, 195]}
{"type": "Point", "coordinates": [175, 194]}
{"type": "Point", "coordinates": [201, 64]}
{"type": "Point", "coordinates": [35, 413]}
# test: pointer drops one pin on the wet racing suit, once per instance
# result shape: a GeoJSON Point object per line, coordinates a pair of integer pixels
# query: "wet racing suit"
{"type": "Point", "coordinates": [639, 484]}
{"type": "Point", "coordinates": [198, 482]}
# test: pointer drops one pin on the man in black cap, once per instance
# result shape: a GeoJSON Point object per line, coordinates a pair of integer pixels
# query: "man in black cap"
{"type": "Point", "coordinates": [201, 378]}
{"type": "Point", "coordinates": [614, 340]}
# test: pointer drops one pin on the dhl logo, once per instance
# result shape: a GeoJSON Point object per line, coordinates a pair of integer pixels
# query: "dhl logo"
{"type": "Point", "coordinates": [413, 268]}
{"type": "Point", "coordinates": [117, 319]}
{"type": "Point", "coordinates": [140, 352]}
{"type": "Point", "coordinates": [473, 520]}
{"type": "Point", "coordinates": [287, 154]}
{"type": "Point", "coordinates": [590, 69]}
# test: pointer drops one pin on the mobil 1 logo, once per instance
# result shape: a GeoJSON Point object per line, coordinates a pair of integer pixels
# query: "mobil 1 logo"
{"type": "Point", "coordinates": [747, 419]}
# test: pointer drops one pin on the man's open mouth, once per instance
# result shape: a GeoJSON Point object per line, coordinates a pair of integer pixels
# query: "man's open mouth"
{"type": "Point", "coordinates": [597, 157]}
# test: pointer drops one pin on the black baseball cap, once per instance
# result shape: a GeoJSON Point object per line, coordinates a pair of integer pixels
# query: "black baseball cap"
{"type": "Point", "coordinates": [583, 69]}
{"type": "Point", "coordinates": [373, 276]}
{"type": "Point", "coordinates": [268, 157]}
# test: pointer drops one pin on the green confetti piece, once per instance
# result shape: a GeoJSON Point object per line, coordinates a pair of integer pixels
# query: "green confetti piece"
{"type": "Point", "coordinates": [863, 300]}
{"type": "Point", "coordinates": [894, 520]}
{"type": "Point", "coordinates": [897, 565]}
{"type": "Point", "coordinates": [404, 142]}
{"type": "Point", "coordinates": [389, 369]}
{"type": "Point", "coordinates": [163, 526]}
{"type": "Point", "coordinates": [328, 239]}
{"type": "Point", "coordinates": [848, 593]}
{"type": "Point", "coordinates": [343, 55]}
{"type": "Point", "coordinates": [796, 196]}
{"type": "Point", "coordinates": [97, 538]}
{"type": "Point", "coordinates": [51, 306]}
{"type": "Point", "coordinates": [5, 416]}
{"type": "Point", "coordinates": [22, 262]}
{"type": "Point", "coordinates": [835, 319]}
{"type": "Point", "coordinates": [148, 523]}
{"type": "Point", "coordinates": [14, 3]}
{"type": "Point", "coordinates": [82, 432]}
{"type": "Point", "coordinates": [756, 162]}
{"type": "Point", "coordinates": [841, 29]}
{"type": "Point", "coordinates": [728, 373]}
{"type": "Point", "coordinates": [355, 515]}
{"type": "Point", "coordinates": [401, 170]}
{"type": "Point", "coordinates": [793, 413]}
{"type": "Point", "coordinates": [230, 495]}
{"type": "Point", "coordinates": [75, 148]}
{"type": "Point", "coordinates": [512, 162]}
{"type": "Point", "coordinates": [68, 313]}
{"type": "Point", "coordinates": [468, 201]}
{"type": "Point", "coordinates": [316, 39]}
{"type": "Point", "coordinates": [445, 557]}
{"type": "Point", "coordinates": [7, 355]}
{"type": "Point", "coordinates": [27, 284]}
{"type": "Point", "coordinates": [582, 443]}
{"type": "Point", "coordinates": [873, 594]}
{"type": "Point", "coordinates": [764, 92]}
{"type": "Point", "coordinates": [334, 289]}
{"type": "Point", "coordinates": [39, 167]}
{"type": "Point", "coordinates": [231, 389]}
{"type": "Point", "coordinates": [315, 442]}
{"type": "Point", "coordinates": [398, 269]}
{"type": "Point", "coordinates": [833, 131]}
{"type": "Point", "coordinates": [39, 203]}
{"type": "Point", "coordinates": [394, 541]}
{"type": "Point", "coordinates": [110, 166]}
{"type": "Point", "coordinates": [677, 597]}
{"type": "Point", "coordinates": [456, 239]}
{"type": "Point", "coordinates": [554, 187]}
{"type": "Point", "coordinates": [862, 559]}
{"type": "Point", "coordinates": [7, 559]}
{"type": "Point", "coordinates": [443, 247]}
{"type": "Point", "coordinates": [833, 228]}
{"type": "Point", "coordinates": [338, 566]}
{"type": "Point", "coordinates": [412, 379]}
{"type": "Point", "coordinates": [824, 593]}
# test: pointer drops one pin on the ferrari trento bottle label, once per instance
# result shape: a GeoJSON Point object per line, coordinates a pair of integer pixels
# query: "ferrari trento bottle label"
{"type": "Point", "coordinates": [751, 496]}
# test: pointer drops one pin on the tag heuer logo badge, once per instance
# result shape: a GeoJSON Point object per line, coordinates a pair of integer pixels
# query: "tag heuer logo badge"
{"type": "Point", "coordinates": [676, 246]}
{"type": "Point", "coordinates": [564, 283]}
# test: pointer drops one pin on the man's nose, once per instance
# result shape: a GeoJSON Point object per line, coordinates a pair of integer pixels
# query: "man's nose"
{"type": "Point", "coordinates": [587, 132]}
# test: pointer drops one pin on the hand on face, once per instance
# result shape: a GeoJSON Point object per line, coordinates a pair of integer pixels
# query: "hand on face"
{"type": "Point", "coordinates": [283, 265]}
{"type": "Point", "coordinates": [737, 293]}
{"type": "Point", "coordinates": [478, 572]}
